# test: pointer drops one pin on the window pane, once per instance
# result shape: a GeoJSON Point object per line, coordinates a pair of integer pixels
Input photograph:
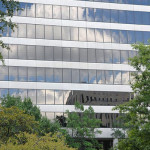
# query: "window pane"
{"type": "Point", "coordinates": [138, 17]}
{"type": "Point", "coordinates": [145, 18]}
{"type": "Point", "coordinates": [99, 56]}
{"type": "Point", "coordinates": [125, 77]}
{"type": "Point", "coordinates": [23, 76]}
{"type": "Point", "coordinates": [130, 17]}
{"type": "Point", "coordinates": [122, 16]}
{"type": "Point", "coordinates": [107, 36]}
{"type": "Point", "coordinates": [13, 73]}
{"type": "Point", "coordinates": [66, 54]}
{"type": "Point", "coordinates": [40, 74]}
{"type": "Point", "coordinates": [67, 94]}
{"type": "Point", "coordinates": [84, 76]}
{"type": "Point", "coordinates": [73, 13]}
{"type": "Point", "coordinates": [116, 57]}
{"type": "Point", "coordinates": [58, 75]}
{"type": "Point", "coordinates": [57, 33]}
{"type": "Point", "coordinates": [101, 77]}
{"type": "Point", "coordinates": [124, 57]}
{"type": "Point", "coordinates": [99, 35]}
{"type": "Point", "coordinates": [57, 53]}
{"type": "Point", "coordinates": [66, 33]}
{"type": "Point", "coordinates": [58, 97]}
{"type": "Point", "coordinates": [30, 31]}
{"type": "Point", "coordinates": [49, 53]}
{"type": "Point", "coordinates": [81, 13]}
{"type": "Point", "coordinates": [49, 75]}
{"type": "Point", "coordinates": [139, 36]}
{"type": "Point", "coordinates": [74, 54]}
{"type": "Point", "coordinates": [13, 92]}
{"type": "Point", "coordinates": [123, 37]}
{"type": "Point", "coordinates": [31, 74]}
{"type": "Point", "coordinates": [32, 95]}
{"type": "Point", "coordinates": [40, 52]}
{"type": "Point", "coordinates": [98, 15]}
{"type": "Point", "coordinates": [92, 76]}
{"type": "Point", "coordinates": [31, 52]}
{"type": "Point", "coordinates": [48, 11]}
{"type": "Point", "coordinates": [75, 76]}
{"type": "Point", "coordinates": [56, 12]}
{"type": "Point", "coordinates": [40, 10]}
{"type": "Point", "coordinates": [3, 92]}
{"type": "Point", "coordinates": [131, 37]}
{"type": "Point", "coordinates": [114, 16]}
{"type": "Point", "coordinates": [40, 31]}
{"type": "Point", "coordinates": [74, 34]}
{"type": "Point", "coordinates": [65, 12]}
{"type": "Point", "coordinates": [30, 10]}
{"type": "Point", "coordinates": [83, 54]}
{"type": "Point", "coordinates": [22, 30]}
{"type": "Point", "coordinates": [91, 35]}
{"type": "Point", "coordinates": [24, 11]}
{"type": "Point", "coordinates": [22, 94]}
{"type": "Point", "coordinates": [50, 116]}
{"type": "Point", "coordinates": [117, 77]}
{"type": "Point", "coordinates": [109, 77]}
{"type": "Point", "coordinates": [90, 14]}
{"type": "Point", "coordinates": [49, 97]}
{"type": "Point", "coordinates": [4, 52]}
{"type": "Point", "coordinates": [91, 55]}
{"type": "Point", "coordinates": [108, 56]}
{"type": "Point", "coordinates": [40, 96]}
{"type": "Point", "coordinates": [3, 73]}
{"type": "Point", "coordinates": [49, 32]}
{"type": "Point", "coordinates": [106, 15]}
{"type": "Point", "coordinates": [66, 75]}
{"type": "Point", "coordinates": [22, 52]}
{"type": "Point", "coordinates": [115, 36]}
{"type": "Point", "coordinates": [82, 34]}
{"type": "Point", "coordinates": [146, 37]}
{"type": "Point", "coordinates": [13, 53]}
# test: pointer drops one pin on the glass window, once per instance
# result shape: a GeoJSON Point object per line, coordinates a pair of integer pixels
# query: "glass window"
{"type": "Point", "coordinates": [139, 36]}
{"type": "Point", "coordinates": [13, 73]}
{"type": "Point", "coordinates": [106, 15]}
{"type": "Point", "coordinates": [58, 53]}
{"type": "Point", "coordinates": [66, 33]}
{"type": "Point", "coordinates": [30, 10]}
{"type": "Point", "coordinates": [50, 116]}
{"type": "Point", "coordinates": [91, 55]}
{"type": "Point", "coordinates": [24, 11]}
{"type": "Point", "coordinates": [132, 54]}
{"type": "Point", "coordinates": [13, 53]}
{"type": "Point", "coordinates": [58, 75]}
{"type": "Point", "coordinates": [81, 13]}
{"type": "Point", "coordinates": [114, 16]}
{"type": "Point", "coordinates": [98, 15]}
{"type": "Point", "coordinates": [125, 77]}
{"type": "Point", "coordinates": [124, 57]}
{"type": "Point", "coordinates": [23, 76]}
{"type": "Point", "coordinates": [123, 37]}
{"type": "Point", "coordinates": [40, 31]}
{"type": "Point", "coordinates": [92, 76]}
{"type": "Point", "coordinates": [67, 95]}
{"type": "Point", "coordinates": [66, 54]}
{"type": "Point", "coordinates": [146, 37]}
{"type": "Point", "coordinates": [65, 12]}
{"type": "Point", "coordinates": [32, 95]}
{"type": "Point", "coordinates": [117, 77]}
{"type": "Point", "coordinates": [75, 76]}
{"type": "Point", "coordinates": [10, 32]}
{"type": "Point", "coordinates": [108, 56]}
{"type": "Point", "coordinates": [74, 34]}
{"type": "Point", "coordinates": [73, 13]}
{"type": "Point", "coordinates": [30, 31]}
{"type": "Point", "coordinates": [49, 53]}
{"type": "Point", "coordinates": [145, 18]}
{"type": "Point", "coordinates": [115, 36]}
{"type": "Point", "coordinates": [130, 17]}
{"type": "Point", "coordinates": [122, 16]}
{"type": "Point", "coordinates": [109, 77]}
{"type": "Point", "coordinates": [90, 14]}
{"type": "Point", "coordinates": [131, 37]}
{"type": "Point", "coordinates": [116, 57]}
{"type": "Point", "coordinates": [13, 92]}
{"type": "Point", "coordinates": [99, 56]}
{"type": "Point", "coordinates": [57, 33]}
{"type": "Point", "coordinates": [58, 97]}
{"type": "Point", "coordinates": [49, 32]}
{"type": "Point", "coordinates": [99, 35]}
{"type": "Point", "coordinates": [101, 77]}
{"type": "Point", "coordinates": [138, 17]}
{"type": "Point", "coordinates": [40, 10]}
{"type": "Point", "coordinates": [21, 30]}
{"type": "Point", "coordinates": [40, 52]}
{"type": "Point", "coordinates": [31, 74]}
{"type": "Point", "coordinates": [40, 74]}
{"type": "Point", "coordinates": [66, 75]}
{"type": "Point", "coordinates": [56, 12]}
{"type": "Point", "coordinates": [31, 52]}
{"type": "Point", "coordinates": [22, 52]}
{"type": "Point", "coordinates": [3, 73]}
{"type": "Point", "coordinates": [83, 54]}
{"type": "Point", "coordinates": [4, 52]}
{"type": "Point", "coordinates": [74, 54]}
{"type": "Point", "coordinates": [49, 97]}
{"type": "Point", "coordinates": [49, 75]}
{"type": "Point", "coordinates": [91, 35]}
{"type": "Point", "coordinates": [84, 76]}
{"type": "Point", "coordinates": [3, 92]}
{"type": "Point", "coordinates": [40, 96]}
{"type": "Point", "coordinates": [107, 36]}
{"type": "Point", "coordinates": [22, 94]}
{"type": "Point", "coordinates": [82, 34]}
{"type": "Point", "coordinates": [48, 11]}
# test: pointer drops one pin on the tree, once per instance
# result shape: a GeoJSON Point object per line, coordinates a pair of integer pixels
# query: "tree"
{"type": "Point", "coordinates": [83, 123]}
{"type": "Point", "coordinates": [136, 116]}
{"type": "Point", "coordinates": [7, 9]}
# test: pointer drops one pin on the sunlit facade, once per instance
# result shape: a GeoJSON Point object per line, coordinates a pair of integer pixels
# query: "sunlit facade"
{"type": "Point", "coordinates": [65, 51]}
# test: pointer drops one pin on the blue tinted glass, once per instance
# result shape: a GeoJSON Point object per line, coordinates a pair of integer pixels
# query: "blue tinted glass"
{"type": "Point", "coordinates": [84, 76]}
{"type": "Point", "coordinates": [146, 18]}
{"type": "Point", "coordinates": [146, 37]}
{"type": "Point", "coordinates": [114, 16]}
{"type": "Point", "coordinates": [138, 17]}
{"type": "Point", "coordinates": [90, 14]}
{"type": "Point", "coordinates": [122, 16]}
{"type": "Point", "coordinates": [81, 13]}
{"type": "Point", "coordinates": [98, 15]}
{"type": "Point", "coordinates": [122, 1]}
{"type": "Point", "coordinates": [139, 36]}
{"type": "Point", "coordinates": [123, 37]}
{"type": "Point", "coordinates": [138, 2]}
{"type": "Point", "coordinates": [131, 37]}
{"type": "Point", "coordinates": [5, 31]}
{"type": "Point", "coordinates": [115, 36]}
{"type": "Point", "coordinates": [22, 12]}
{"type": "Point", "coordinates": [113, 1]}
{"type": "Point", "coordinates": [13, 92]}
{"type": "Point", "coordinates": [106, 15]}
{"type": "Point", "coordinates": [107, 36]}
{"type": "Point", "coordinates": [129, 1]}
{"type": "Point", "coordinates": [3, 92]}
{"type": "Point", "coordinates": [130, 17]}
{"type": "Point", "coordinates": [2, 7]}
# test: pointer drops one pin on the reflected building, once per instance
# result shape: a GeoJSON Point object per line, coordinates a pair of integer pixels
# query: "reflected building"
{"type": "Point", "coordinates": [71, 51]}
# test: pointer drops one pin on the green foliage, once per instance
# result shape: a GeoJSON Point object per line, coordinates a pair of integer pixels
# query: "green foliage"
{"type": "Point", "coordinates": [25, 141]}
{"type": "Point", "coordinates": [83, 124]}
{"type": "Point", "coordinates": [136, 113]}
{"type": "Point", "coordinates": [13, 121]}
